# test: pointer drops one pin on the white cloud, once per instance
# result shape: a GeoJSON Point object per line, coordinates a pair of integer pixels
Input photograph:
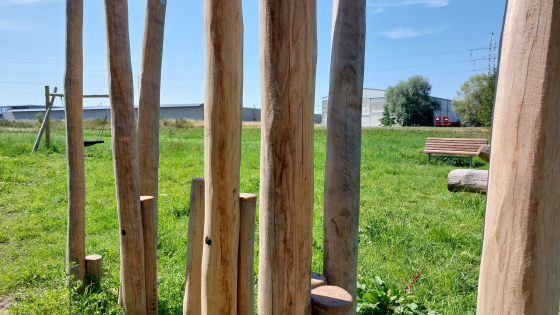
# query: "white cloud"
{"type": "Point", "coordinates": [403, 32]}
{"type": "Point", "coordinates": [380, 5]}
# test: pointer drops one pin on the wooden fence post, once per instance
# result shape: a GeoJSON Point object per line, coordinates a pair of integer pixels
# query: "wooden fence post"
{"type": "Point", "coordinates": [520, 269]}
{"type": "Point", "coordinates": [288, 33]}
{"type": "Point", "coordinates": [148, 139]}
{"type": "Point", "coordinates": [222, 145]}
{"type": "Point", "coordinates": [149, 227]}
{"type": "Point", "coordinates": [48, 125]}
{"type": "Point", "coordinates": [125, 157]}
{"type": "Point", "coordinates": [246, 260]}
{"type": "Point", "coordinates": [341, 209]}
{"type": "Point", "coordinates": [195, 239]}
{"type": "Point", "coordinates": [73, 90]}
{"type": "Point", "coordinates": [43, 125]}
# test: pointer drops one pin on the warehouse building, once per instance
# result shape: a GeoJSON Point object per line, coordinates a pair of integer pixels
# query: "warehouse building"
{"type": "Point", "coordinates": [373, 101]}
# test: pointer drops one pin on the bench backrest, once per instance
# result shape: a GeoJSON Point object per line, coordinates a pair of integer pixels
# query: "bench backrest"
{"type": "Point", "coordinates": [455, 145]}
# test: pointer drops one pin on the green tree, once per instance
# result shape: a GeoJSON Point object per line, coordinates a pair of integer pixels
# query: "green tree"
{"type": "Point", "coordinates": [409, 102]}
{"type": "Point", "coordinates": [475, 100]}
{"type": "Point", "coordinates": [387, 120]}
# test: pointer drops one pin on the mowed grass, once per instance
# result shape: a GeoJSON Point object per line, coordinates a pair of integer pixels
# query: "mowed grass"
{"type": "Point", "coordinates": [408, 219]}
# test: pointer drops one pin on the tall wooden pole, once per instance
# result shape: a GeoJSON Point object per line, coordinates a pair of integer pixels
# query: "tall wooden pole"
{"type": "Point", "coordinates": [520, 269]}
{"type": "Point", "coordinates": [48, 126]}
{"type": "Point", "coordinates": [73, 90]}
{"type": "Point", "coordinates": [148, 132]}
{"type": "Point", "coordinates": [341, 210]}
{"type": "Point", "coordinates": [195, 238]}
{"type": "Point", "coordinates": [125, 157]}
{"type": "Point", "coordinates": [222, 154]}
{"type": "Point", "coordinates": [288, 33]}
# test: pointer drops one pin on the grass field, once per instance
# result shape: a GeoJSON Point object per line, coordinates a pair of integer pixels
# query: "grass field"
{"type": "Point", "coordinates": [408, 219]}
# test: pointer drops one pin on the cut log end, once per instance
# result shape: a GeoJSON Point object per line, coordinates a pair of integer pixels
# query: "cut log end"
{"type": "Point", "coordinates": [94, 267]}
{"type": "Point", "coordinates": [329, 299]}
{"type": "Point", "coordinates": [317, 280]}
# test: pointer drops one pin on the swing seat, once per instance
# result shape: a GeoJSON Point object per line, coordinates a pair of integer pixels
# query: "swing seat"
{"type": "Point", "coordinates": [88, 143]}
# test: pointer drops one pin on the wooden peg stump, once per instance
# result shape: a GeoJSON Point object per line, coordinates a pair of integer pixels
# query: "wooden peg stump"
{"type": "Point", "coordinates": [246, 256]}
{"type": "Point", "coordinates": [317, 280]}
{"type": "Point", "coordinates": [331, 300]}
{"type": "Point", "coordinates": [149, 227]}
{"type": "Point", "coordinates": [94, 267]}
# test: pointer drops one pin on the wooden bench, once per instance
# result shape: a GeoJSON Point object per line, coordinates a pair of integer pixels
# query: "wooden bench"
{"type": "Point", "coordinates": [464, 148]}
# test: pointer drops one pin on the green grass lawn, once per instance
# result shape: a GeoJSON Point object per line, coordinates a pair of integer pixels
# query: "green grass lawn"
{"type": "Point", "coordinates": [408, 219]}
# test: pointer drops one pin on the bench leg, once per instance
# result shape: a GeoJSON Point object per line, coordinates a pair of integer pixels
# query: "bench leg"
{"type": "Point", "coordinates": [429, 155]}
{"type": "Point", "coordinates": [471, 161]}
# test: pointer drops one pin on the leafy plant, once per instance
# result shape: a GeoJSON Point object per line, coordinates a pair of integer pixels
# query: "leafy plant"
{"type": "Point", "coordinates": [379, 300]}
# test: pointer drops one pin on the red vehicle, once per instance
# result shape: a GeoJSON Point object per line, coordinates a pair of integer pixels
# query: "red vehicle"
{"type": "Point", "coordinates": [446, 122]}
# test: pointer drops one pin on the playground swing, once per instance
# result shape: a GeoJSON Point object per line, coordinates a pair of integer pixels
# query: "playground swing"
{"type": "Point", "coordinates": [98, 139]}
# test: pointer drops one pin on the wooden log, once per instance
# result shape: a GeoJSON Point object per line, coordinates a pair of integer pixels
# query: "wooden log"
{"type": "Point", "coordinates": [149, 101]}
{"type": "Point", "coordinates": [43, 125]}
{"type": "Point", "coordinates": [73, 90]}
{"type": "Point", "coordinates": [288, 35]}
{"type": "Point", "coordinates": [465, 180]}
{"type": "Point", "coordinates": [94, 267]}
{"type": "Point", "coordinates": [149, 227]}
{"type": "Point", "coordinates": [520, 269]}
{"type": "Point", "coordinates": [485, 154]}
{"type": "Point", "coordinates": [222, 145]}
{"type": "Point", "coordinates": [246, 256]}
{"type": "Point", "coordinates": [341, 210]}
{"type": "Point", "coordinates": [193, 284]}
{"type": "Point", "coordinates": [48, 124]}
{"type": "Point", "coordinates": [125, 157]}
{"type": "Point", "coordinates": [331, 300]}
{"type": "Point", "coordinates": [317, 280]}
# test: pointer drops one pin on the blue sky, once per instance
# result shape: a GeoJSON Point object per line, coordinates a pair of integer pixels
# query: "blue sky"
{"type": "Point", "coordinates": [433, 38]}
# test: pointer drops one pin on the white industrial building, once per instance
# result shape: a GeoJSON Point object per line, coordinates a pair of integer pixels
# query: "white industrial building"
{"type": "Point", "coordinates": [372, 108]}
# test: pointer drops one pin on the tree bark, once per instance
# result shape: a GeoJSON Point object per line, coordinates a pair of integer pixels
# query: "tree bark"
{"type": "Point", "coordinates": [73, 90]}
{"type": "Point", "coordinates": [222, 154]}
{"type": "Point", "coordinates": [344, 139]}
{"type": "Point", "coordinates": [468, 181]}
{"type": "Point", "coordinates": [520, 269]}
{"type": "Point", "coordinates": [125, 157]}
{"type": "Point", "coordinates": [288, 32]}
{"type": "Point", "coordinates": [195, 238]}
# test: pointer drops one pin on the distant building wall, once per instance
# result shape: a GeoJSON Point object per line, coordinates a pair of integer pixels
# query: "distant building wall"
{"type": "Point", "coordinates": [187, 111]}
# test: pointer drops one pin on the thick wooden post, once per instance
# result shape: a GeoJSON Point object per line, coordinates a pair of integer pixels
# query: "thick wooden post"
{"type": "Point", "coordinates": [125, 157]}
{"type": "Point", "coordinates": [48, 126]}
{"type": "Point", "coordinates": [44, 124]}
{"type": "Point", "coordinates": [341, 210]}
{"type": "Point", "coordinates": [246, 260]}
{"type": "Point", "coordinates": [520, 269]}
{"type": "Point", "coordinates": [149, 227]}
{"type": "Point", "coordinates": [223, 99]}
{"type": "Point", "coordinates": [195, 238]}
{"type": "Point", "coordinates": [148, 129]}
{"type": "Point", "coordinates": [73, 90]}
{"type": "Point", "coordinates": [288, 33]}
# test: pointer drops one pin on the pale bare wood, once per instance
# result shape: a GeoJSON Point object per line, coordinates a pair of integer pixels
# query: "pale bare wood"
{"type": "Point", "coordinates": [125, 157]}
{"type": "Point", "coordinates": [73, 90]}
{"type": "Point", "coordinates": [195, 238]}
{"type": "Point", "coordinates": [317, 280]}
{"type": "Point", "coordinates": [331, 300]}
{"type": "Point", "coordinates": [520, 269]}
{"type": "Point", "coordinates": [485, 154]}
{"type": "Point", "coordinates": [246, 256]}
{"type": "Point", "coordinates": [466, 180]}
{"type": "Point", "coordinates": [48, 126]}
{"type": "Point", "coordinates": [288, 35]}
{"type": "Point", "coordinates": [94, 267]}
{"type": "Point", "coordinates": [222, 153]}
{"type": "Point", "coordinates": [43, 125]}
{"type": "Point", "coordinates": [341, 210]}
{"type": "Point", "coordinates": [149, 227]}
